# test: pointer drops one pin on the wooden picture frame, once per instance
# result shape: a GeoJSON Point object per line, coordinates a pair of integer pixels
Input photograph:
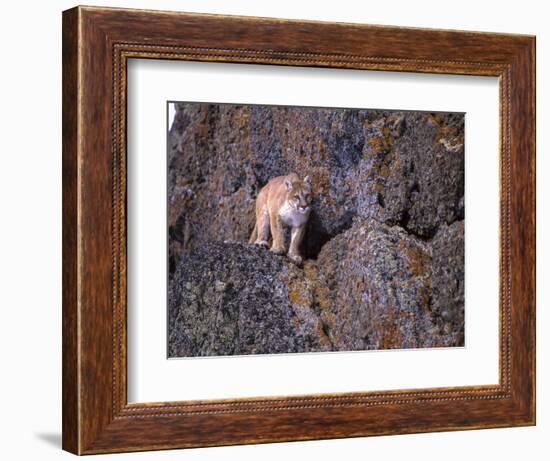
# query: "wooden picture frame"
{"type": "Point", "coordinates": [97, 43]}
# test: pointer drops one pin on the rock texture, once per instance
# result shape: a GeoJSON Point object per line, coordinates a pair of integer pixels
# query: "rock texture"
{"type": "Point", "coordinates": [384, 246]}
{"type": "Point", "coordinates": [228, 299]}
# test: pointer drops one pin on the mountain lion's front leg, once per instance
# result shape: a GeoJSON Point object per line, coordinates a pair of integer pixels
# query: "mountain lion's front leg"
{"type": "Point", "coordinates": [296, 238]}
{"type": "Point", "coordinates": [278, 234]}
{"type": "Point", "coordinates": [262, 229]}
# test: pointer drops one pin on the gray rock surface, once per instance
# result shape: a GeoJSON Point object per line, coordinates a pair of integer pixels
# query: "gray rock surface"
{"type": "Point", "coordinates": [384, 245]}
{"type": "Point", "coordinates": [234, 299]}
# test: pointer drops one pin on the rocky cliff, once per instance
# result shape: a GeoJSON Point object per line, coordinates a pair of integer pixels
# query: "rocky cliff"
{"type": "Point", "coordinates": [384, 247]}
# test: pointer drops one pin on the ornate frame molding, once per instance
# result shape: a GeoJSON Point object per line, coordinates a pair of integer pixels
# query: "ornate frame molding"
{"type": "Point", "coordinates": [97, 44]}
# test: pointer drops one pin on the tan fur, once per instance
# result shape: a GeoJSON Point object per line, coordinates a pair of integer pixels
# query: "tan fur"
{"type": "Point", "coordinates": [285, 201]}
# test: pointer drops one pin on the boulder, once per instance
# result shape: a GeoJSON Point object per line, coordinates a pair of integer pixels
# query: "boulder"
{"type": "Point", "coordinates": [235, 299]}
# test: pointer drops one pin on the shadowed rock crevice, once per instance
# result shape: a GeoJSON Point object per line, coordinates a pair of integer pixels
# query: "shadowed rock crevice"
{"type": "Point", "coordinates": [384, 246]}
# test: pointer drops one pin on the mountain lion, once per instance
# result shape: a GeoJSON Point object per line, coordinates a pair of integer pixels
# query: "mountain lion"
{"type": "Point", "coordinates": [285, 201]}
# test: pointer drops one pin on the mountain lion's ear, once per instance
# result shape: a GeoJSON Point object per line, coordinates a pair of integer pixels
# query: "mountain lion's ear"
{"type": "Point", "coordinates": [288, 184]}
{"type": "Point", "coordinates": [307, 180]}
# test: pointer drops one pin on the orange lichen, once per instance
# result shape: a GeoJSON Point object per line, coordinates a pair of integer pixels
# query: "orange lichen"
{"type": "Point", "coordinates": [321, 293]}
{"type": "Point", "coordinates": [393, 336]}
{"type": "Point", "coordinates": [389, 338]}
{"type": "Point", "coordinates": [297, 292]}
{"type": "Point", "coordinates": [385, 171]}
{"type": "Point", "coordinates": [445, 132]}
{"type": "Point", "coordinates": [377, 144]}
{"type": "Point", "coordinates": [418, 260]}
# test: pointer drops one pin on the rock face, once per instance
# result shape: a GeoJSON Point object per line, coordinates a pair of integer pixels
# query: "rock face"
{"type": "Point", "coordinates": [384, 247]}
{"type": "Point", "coordinates": [233, 299]}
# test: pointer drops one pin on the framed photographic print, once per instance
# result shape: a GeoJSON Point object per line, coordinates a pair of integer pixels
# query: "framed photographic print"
{"type": "Point", "coordinates": [284, 230]}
